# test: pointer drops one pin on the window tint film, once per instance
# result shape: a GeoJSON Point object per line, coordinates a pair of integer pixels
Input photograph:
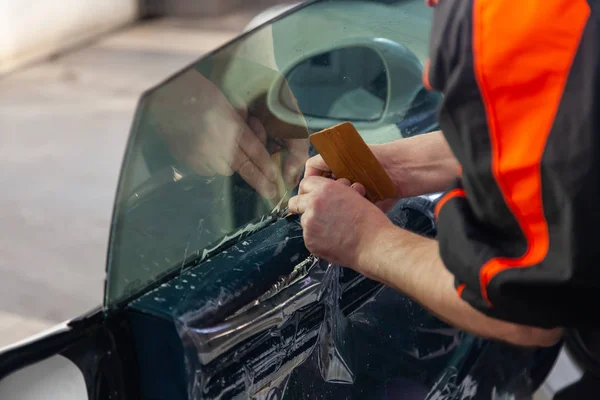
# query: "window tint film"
{"type": "Point", "coordinates": [216, 150]}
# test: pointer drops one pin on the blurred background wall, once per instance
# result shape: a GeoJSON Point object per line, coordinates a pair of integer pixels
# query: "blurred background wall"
{"type": "Point", "coordinates": [31, 30]}
{"type": "Point", "coordinates": [200, 8]}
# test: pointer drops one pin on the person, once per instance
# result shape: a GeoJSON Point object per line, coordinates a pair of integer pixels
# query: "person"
{"type": "Point", "coordinates": [515, 258]}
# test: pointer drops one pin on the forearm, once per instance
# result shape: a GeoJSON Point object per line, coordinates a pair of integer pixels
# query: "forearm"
{"type": "Point", "coordinates": [419, 165]}
{"type": "Point", "coordinates": [411, 264]}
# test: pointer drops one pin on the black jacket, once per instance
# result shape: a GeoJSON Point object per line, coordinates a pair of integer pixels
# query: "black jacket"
{"type": "Point", "coordinates": [521, 85]}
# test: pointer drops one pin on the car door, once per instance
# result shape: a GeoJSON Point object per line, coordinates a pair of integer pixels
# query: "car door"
{"type": "Point", "coordinates": [210, 292]}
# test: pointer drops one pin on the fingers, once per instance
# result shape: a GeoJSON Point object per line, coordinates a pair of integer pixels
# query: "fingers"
{"type": "Point", "coordinates": [356, 186]}
{"type": "Point", "coordinates": [197, 156]}
{"type": "Point", "coordinates": [298, 204]}
{"type": "Point", "coordinates": [313, 183]}
{"type": "Point", "coordinates": [295, 161]}
{"type": "Point", "coordinates": [221, 166]}
{"type": "Point", "coordinates": [218, 162]}
{"type": "Point", "coordinates": [316, 166]}
{"type": "Point", "coordinates": [292, 169]}
{"type": "Point", "coordinates": [250, 159]}
{"type": "Point", "coordinates": [256, 152]}
{"type": "Point", "coordinates": [253, 162]}
{"type": "Point", "coordinates": [255, 178]}
{"type": "Point", "coordinates": [359, 187]}
{"type": "Point", "coordinates": [258, 129]}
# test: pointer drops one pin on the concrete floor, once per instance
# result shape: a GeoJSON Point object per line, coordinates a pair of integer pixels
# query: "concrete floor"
{"type": "Point", "coordinates": [63, 127]}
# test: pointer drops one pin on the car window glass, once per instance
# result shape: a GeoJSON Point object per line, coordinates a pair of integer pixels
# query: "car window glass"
{"type": "Point", "coordinates": [216, 150]}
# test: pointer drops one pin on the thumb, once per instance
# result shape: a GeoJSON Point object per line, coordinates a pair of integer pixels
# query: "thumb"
{"type": "Point", "coordinates": [316, 166]}
{"type": "Point", "coordinates": [360, 188]}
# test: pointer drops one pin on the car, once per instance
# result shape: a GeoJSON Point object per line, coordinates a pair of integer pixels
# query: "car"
{"type": "Point", "coordinates": [210, 292]}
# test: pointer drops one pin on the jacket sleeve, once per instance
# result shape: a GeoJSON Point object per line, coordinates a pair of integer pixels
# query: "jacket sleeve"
{"type": "Point", "coordinates": [518, 229]}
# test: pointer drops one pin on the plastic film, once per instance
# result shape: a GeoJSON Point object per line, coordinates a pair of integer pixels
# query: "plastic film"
{"type": "Point", "coordinates": [321, 331]}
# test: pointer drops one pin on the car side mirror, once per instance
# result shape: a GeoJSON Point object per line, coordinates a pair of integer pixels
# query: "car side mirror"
{"type": "Point", "coordinates": [371, 82]}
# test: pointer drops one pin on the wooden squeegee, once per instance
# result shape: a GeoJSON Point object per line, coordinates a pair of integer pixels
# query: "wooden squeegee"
{"type": "Point", "coordinates": [348, 156]}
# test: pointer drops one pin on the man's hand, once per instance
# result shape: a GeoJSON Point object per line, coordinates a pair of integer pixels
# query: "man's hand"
{"type": "Point", "coordinates": [338, 222]}
{"type": "Point", "coordinates": [295, 155]}
{"type": "Point", "coordinates": [211, 136]}
{"type": "Point", "coordinates": [316, 166]}
{"type": "Point", "coordinates": [341, 226]}
{"type": "Point", "coordinates": [419, 165]}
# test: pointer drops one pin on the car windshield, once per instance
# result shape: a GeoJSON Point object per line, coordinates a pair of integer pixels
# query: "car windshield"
{"type": "Point", "coordinates": [216, 150]}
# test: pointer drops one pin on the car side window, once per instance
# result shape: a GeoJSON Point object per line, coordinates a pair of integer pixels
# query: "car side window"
{"type": "Point", "coordinates": [216, 150]}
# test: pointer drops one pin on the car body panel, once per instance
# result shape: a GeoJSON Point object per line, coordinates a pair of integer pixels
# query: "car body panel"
{"type": "Point", "coordinates": [309, 329]}
{"type": "Point", "coordinates": [99, 347]}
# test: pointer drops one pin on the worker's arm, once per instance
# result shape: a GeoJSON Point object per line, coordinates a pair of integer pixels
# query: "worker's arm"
{"type": "Point", "coordinates": [412, 265]}
{"type": "Point", "coordinates": [340, 225]}
{"type": "Point", "coordinates": [419, 165]}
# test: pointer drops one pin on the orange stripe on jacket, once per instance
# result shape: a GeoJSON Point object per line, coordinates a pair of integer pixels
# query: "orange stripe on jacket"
{"type": "Point", "coordinates": [460, 289]}
{"type": "Point", "coordinates": [426, 82]}
{"type": "Point", "coordinates": [523, 51]}
{"type": "Point", "coordinates": [447, 197]}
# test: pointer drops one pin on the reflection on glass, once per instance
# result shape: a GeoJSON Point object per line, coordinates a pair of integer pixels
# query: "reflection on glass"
{"type": "Point", "coordinates": [203, 165]}
{"type": "Point", "coordinates": [217, 150]}
{"type": "Point", "coordinates": [347, 84]}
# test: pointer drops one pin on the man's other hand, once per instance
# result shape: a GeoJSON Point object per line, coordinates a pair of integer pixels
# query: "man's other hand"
{"type": "Point", "coordinates": [338, 222]}
{"type": "Point", "coordinates": [316, 166]}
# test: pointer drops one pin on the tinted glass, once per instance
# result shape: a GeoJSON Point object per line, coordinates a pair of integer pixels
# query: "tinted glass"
{"type": "Point", "coordinates": [214, 152]}
{"type": "Point", "coordinates": [348, 84]}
